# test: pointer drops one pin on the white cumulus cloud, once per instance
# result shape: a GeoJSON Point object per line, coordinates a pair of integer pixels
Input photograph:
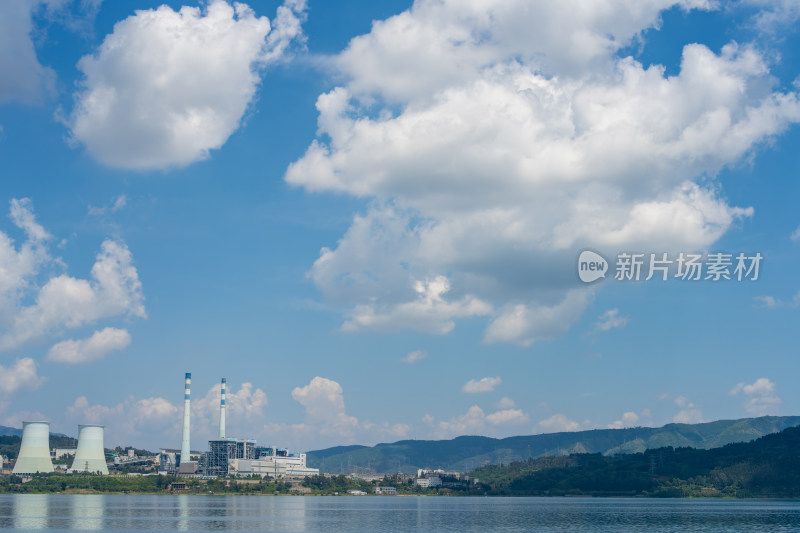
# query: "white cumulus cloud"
{"type": "Point", "coordinates": [413, 357]}
{"type": "Point", "coordinates": [510, 417]}
{"type": "Point", "coordinates": [21, 375]}
{"type": "Point", "coordinates": [610, 320]}
{"type": "Point", "coordinates": [761, 397]}
{"type": "Point", "coordinates": [95, 347]}
{"type": "Point", "coordinates": [688, 414]}
{"type": "Point", "coordinates": [59, 301]}
{"type": "Point", "coordinates": [558, 423]}
{"type": "Point", "coordinates": [475, 386]}
{"type": "Point", "coordinates": [166, 87]}
{"type": "Point", "coordinates": [323, 400]}
{"type": "Point", "coordinates": [524, 324]}
{"type": "Point", "coordinates": [494, 139]}
{"type": "Point", "coordinates": [629, 419]}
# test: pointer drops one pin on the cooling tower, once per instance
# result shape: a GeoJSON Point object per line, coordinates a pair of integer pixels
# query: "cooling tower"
{"type": "Point", "coordinates": [90, 456]}
{"type": "Point", "coordinates": [185, 449]}
{"type": "Point", "coordinates": [222, 411]}
{"type": "Point", "coordinates": [34, 452]}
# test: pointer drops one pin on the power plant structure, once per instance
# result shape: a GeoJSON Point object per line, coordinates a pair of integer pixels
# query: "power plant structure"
{"type": "Point", "coordinates": [187, 413]}
{"type": "Point", "coordinates": [90, 456]}
{"type": "Point", "coordinates": [222, 410]}
{"type": "Point", "coordinates": [34, 451]}
{"type": "Point", "coordinates": [227, 455]}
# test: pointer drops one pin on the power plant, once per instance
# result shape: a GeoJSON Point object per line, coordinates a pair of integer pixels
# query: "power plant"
{"type": "Point", "coordinates": [34, 451]}
{"type": "Point", "coordinates": [228, 455]}
{"type": "Point", "coordinates": [187, 408]}
{"type": "Point", "coordinates": [225, 455]}
{"type": "Point", "coordinates": [90, 456]}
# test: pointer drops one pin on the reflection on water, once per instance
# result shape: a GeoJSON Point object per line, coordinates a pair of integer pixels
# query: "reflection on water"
{"type": "Point", "coordinates": [29, 512]}
{"type": "Point", "coordinates": [87, 512]}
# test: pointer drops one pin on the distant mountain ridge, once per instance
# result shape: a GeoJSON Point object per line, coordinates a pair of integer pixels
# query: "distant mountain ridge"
{"type": "Point", "coordinates": [469, 452]}
{"type": "Point", "coordinates": [5, 430]}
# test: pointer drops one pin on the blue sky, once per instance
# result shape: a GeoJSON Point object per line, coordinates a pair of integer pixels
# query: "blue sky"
{"type": "Point", "coordinates": [367, 216]}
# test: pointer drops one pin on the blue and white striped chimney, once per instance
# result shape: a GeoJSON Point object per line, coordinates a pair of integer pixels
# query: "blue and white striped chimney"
{"type": "Point", "coordinates": [222, 411]}
{"type": "Point", "coordinates": [185, 449]}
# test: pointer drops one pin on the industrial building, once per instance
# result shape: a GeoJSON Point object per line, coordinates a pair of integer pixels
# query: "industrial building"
{"type": "Point", "coordinates": [34, 451]}
{"type": "Point", "coordinates": [229, 456]}
{"type": "Point", "coordinates": [90, 456]}
{"type": "Point", "coordinates": [225, 456]}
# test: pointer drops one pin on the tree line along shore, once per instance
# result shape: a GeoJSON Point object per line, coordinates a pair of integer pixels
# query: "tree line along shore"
{"type": "Point", "coordinates": [768, 467]}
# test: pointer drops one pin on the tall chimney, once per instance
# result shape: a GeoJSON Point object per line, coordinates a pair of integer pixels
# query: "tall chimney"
{"type": "Point", "coordinates": [222, 411]}
{"type": "Point", "coordinates": [185, 450]}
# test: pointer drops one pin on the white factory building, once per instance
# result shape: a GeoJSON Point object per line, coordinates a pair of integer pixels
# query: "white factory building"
{"type": "Point", "coordinates": [229, 456]}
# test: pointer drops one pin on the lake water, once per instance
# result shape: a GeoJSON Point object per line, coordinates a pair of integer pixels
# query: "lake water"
{"type": "Point", "coordinates": [29, 512]}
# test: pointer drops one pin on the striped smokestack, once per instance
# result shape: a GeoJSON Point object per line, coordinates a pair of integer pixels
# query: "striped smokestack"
{"type": "Point", "coordinates": [222, 411]}
{"type": "Point", "coordinates": [185, 450]}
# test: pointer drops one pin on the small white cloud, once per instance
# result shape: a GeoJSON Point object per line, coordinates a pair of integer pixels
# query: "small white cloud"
{"type": "Point", "coordinates": [683, 401]}
{"type": "Point", "coordinates": [629, 419]}
{"type": "Point", "coordinates": [771, 301]}
{"type": "Point", "coordinates": [796, 235]}
{"type": "Point", "coordinates": [688, 414]}
{"type": "Point", "coordinates": [413, 357]}
{"type": "Point", "coordinates": [558, 423]}
{"type": "Point", "coordinates": [505, 403]}
{"type": "Point", "coordinates": [486, 384]}
{"type": "Point", "coordinates": [473, 422]}
{"type": "Point", "coordinates": [761, 397]}
{"type": "Point", "coordinates": [507, 417]}
{"type": "Point", "coordinates": [21, 375]}
{"type": "Point", "coordinates": [95, 347]}
{"type": "Point", "coordinates": [120, 202]}
{"type": "Point", "coordinates": [610, 320]}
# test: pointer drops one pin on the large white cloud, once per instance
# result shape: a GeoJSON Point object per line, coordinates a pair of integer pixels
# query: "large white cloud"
{"type": "Point", "coordinates": [496, 139]}
{"type": "Point", "coordinates": [167, 87]}
{"type": "Point", "coordinates": [59, 301]}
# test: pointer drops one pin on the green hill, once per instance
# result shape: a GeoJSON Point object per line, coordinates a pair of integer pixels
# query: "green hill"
{"type": "Point", "coordinates": [766, 467]}
{"type": "Point", "coordinates": [470, 452]}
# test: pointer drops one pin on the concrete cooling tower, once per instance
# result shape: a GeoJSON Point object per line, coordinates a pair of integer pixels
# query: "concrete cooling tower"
{"type": "Point", "coordinates": [34, 452]}
{"type": "Point", "coordinates": [90, 456]}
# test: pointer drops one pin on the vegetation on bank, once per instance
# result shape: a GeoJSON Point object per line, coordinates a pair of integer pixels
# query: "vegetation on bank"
{"type": "Point", "coordinates": [158, 484]}
{"type": "Point", "coordinates": [469, 452]}
{"type": "Point", "coordinates": [767, 467]}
